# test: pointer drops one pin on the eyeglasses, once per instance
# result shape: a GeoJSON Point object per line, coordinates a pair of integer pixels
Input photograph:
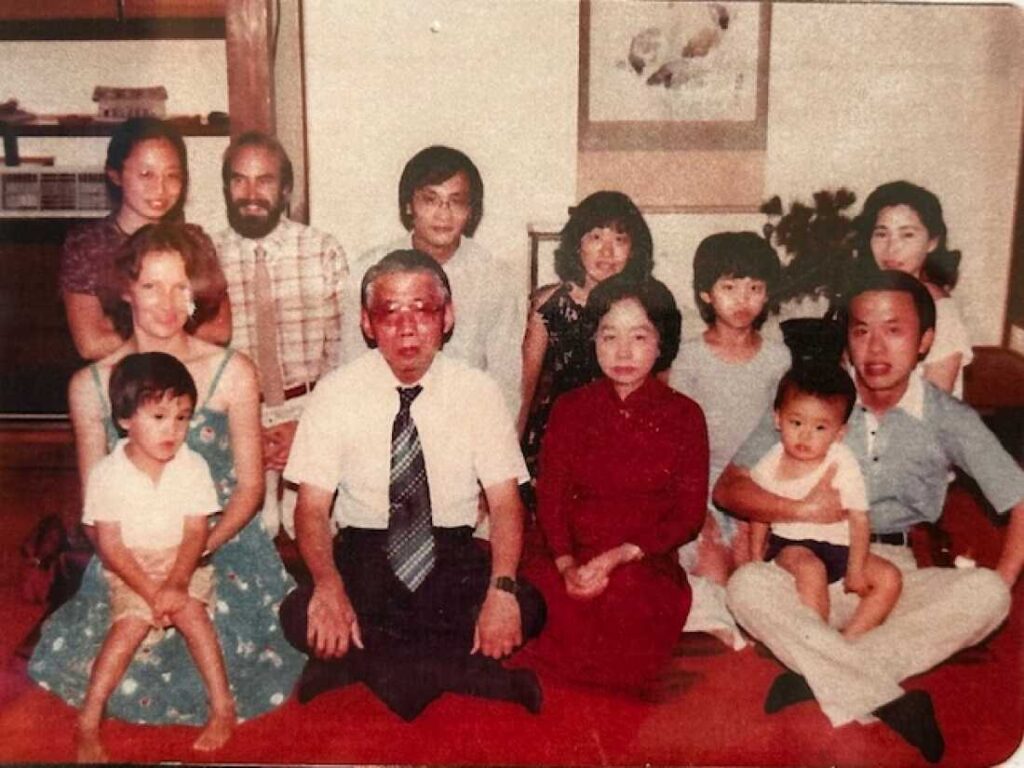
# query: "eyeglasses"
{"type": "Point", "coordinates": [391, 315]}
{"type": "Point", "coordinates": [435, 202]}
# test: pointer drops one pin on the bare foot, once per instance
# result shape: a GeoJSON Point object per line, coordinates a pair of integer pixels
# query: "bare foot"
{"type": "Point", "coordinates": [216, 733]}
{"type": "Point", "coordinates": [88, 748]}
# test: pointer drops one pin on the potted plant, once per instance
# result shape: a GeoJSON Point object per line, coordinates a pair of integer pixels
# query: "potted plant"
{"type": "Point", "coordinates": [818, 258]}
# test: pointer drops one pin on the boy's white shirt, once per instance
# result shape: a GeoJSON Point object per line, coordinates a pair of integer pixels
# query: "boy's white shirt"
{"type": "Point", "coordinates": [848, 481]}
{"type": "Point", "coordinates": [151, 514]}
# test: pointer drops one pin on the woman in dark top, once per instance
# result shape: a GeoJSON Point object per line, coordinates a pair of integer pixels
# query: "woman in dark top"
{"type": "Point", "coordinates": [606, 235]}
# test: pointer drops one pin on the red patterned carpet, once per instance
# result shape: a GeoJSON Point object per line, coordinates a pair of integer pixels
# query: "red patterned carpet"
{"type": "Point", "coordinates": [716, 720]}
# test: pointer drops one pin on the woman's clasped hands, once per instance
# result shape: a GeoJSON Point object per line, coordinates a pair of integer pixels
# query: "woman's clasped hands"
{"type": "Point", "coordinates": [587, 581]}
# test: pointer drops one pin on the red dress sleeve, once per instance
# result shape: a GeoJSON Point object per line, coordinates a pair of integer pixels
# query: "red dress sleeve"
{"type": "Point", "coordinates": [554, 482]}
{"type": "Point", "coordinates": [683, 521]}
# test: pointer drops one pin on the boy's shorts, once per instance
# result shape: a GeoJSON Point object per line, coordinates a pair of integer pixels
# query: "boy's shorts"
{"type": "Point", "coordinates": [834, 556]}
{"type": "Point", "coordinates": [157, 563]}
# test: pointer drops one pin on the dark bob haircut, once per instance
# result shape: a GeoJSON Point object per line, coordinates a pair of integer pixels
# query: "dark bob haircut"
{"type": "Point", "coordinates": [146, 377]}
{"type": "Point", "coordinates": [435, 165]}
{"type": "Point", "coordinates": [658, 303]}
{"type": "Point", "coordinates": [604, 209]}
{"type": "Point", "coordinates": [209, 286]}
{"type": "Point", "coordinates": [734, 254]}
{"type": "Point", "coordinates": [406, 261]}
{"type": "Point", "coordinates": [825, 381]}
{"type": "Point", "coordinates": [123, 141]}
{"type": "Point", "coordinates": [264, 141]}
{"type": "Point", "coordinates": [941, 266]}
{"type": "Point", "coordinates": [891, 280]}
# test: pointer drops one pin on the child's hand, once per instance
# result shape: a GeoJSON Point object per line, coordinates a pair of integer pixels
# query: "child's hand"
{"type": "Point", "coordinates": [168, 601]}
{"type": "Point", "coordinates": [855, 582]}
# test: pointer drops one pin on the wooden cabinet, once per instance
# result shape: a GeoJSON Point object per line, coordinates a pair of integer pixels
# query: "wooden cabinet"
{"type": "Point", "coordinates": [37, 354]}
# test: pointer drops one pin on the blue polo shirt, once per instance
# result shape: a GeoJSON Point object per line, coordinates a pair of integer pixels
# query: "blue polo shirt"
{"type": "Point", "coordinates": [906, 456]}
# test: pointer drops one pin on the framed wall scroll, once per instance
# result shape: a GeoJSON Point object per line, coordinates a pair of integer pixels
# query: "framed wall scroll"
{"type": "Point", "coordinates": [673, 102]}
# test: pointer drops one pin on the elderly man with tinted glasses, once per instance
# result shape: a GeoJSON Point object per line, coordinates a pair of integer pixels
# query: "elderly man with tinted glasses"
{"type": "Point", "coordinates": [405, 600]}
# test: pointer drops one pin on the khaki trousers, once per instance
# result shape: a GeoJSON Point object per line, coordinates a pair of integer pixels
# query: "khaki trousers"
{"type": "Point", "coordinates": [940, 611]}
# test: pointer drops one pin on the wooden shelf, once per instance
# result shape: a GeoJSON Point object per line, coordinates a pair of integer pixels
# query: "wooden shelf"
{"type": "Point", "coordinates": [111, 19]}
{"type": "Point", "coordinates": [50, 126]}
{"type": "Point", "coordinates": [114, 29]}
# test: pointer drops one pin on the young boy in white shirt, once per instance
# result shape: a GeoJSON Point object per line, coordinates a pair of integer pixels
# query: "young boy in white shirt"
{"type": "Point", "coordinates": [148, 500]}
{"type": "Point", "coordinates": [812, 405]}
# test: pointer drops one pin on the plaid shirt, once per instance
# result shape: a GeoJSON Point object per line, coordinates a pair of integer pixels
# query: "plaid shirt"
{"type": "Point", "coordinates": [307, 269]}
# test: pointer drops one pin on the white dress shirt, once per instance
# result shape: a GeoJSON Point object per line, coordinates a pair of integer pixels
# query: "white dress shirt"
{"type": "Point", "coordinates": [344, 439]}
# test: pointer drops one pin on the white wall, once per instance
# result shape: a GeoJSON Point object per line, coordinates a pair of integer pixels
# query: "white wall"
{"type": "Point", "coordinates": [497, 80]}
{"type": "Point", "coordinates": [859, 94]}
{"type": "Point", "coordinates": [58, 78]}
{"type": "Point", "coordinates": [864, 94]}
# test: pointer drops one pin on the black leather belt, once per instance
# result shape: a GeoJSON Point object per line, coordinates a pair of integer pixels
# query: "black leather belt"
{"type": "Point", "coordinates": [899, 539]}
{"type": "Point", "coordinates": [298, 390]}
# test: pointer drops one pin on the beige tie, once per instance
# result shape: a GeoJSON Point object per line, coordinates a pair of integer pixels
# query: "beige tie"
{"type": "Point", "coordinates": [271, 381]}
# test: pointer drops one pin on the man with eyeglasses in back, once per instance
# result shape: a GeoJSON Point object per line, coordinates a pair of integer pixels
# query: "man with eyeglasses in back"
{"type": "Point", "coordinates": [440, 204]}
{"type": "Point", "coordinates": [397, 443]}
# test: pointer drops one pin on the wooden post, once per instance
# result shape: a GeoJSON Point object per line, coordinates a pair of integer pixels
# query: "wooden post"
{"type": "Point", "coordinates": [250, 79]}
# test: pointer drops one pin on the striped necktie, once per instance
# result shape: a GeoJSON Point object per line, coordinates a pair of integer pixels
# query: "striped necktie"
{"type": "Point", "coordinates": [410, 535]}
{"type": "Point", "coordinates": [267, 359]}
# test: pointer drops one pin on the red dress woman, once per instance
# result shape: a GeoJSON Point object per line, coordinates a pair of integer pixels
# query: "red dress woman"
{"type": "Point", "coordinates": [623, 484]}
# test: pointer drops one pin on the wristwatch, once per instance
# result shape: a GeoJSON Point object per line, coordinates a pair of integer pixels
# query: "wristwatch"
{"type": "Point", "coordinates": [506, 584]}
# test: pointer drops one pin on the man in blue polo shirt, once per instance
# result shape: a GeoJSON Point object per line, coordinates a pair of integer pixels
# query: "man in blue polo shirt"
{"type": "Point", "coordinates": [906, 435]}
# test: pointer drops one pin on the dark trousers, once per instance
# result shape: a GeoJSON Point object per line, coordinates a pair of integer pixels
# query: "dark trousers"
{"type": "Point", "coordinates": [416, 644]}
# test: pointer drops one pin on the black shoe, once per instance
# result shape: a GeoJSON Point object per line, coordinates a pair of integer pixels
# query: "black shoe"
{"type": "Point", "coordinates": [487, 678]}
{"type": "Point", "coordinates": [319, 676]}
{"type": "Point", "coordinates": [526, 690]}
{"type": "Point", "coordinates": [913, 717]}
{"type": "Point", "coordinates": [789, 688]}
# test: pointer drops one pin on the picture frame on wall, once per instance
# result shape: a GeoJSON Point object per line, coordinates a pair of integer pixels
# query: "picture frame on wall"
{"type": "Point", "coordinates": [673, 102]}
{"type": "Point", "coordinates": [673, 74]}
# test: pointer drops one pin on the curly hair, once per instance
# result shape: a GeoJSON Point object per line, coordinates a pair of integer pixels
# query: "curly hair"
{"type": "Point", "coordinates": [604, 209]}
{"type": "Point", "coordinates": [197, 251]}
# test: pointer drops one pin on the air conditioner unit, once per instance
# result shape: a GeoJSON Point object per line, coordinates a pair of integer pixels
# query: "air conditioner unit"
{"type": "Point", "coordinates": [53, 192]}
